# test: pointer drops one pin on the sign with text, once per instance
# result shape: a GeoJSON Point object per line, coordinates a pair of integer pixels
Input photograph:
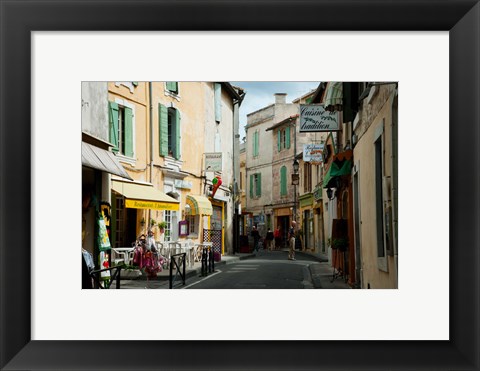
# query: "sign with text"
{"type": "Point", "coordinates": [313, 153]}
{"type": "Point", "coordinates": [213, 161]}
{"type": "Point", "coordinates": [314, 118]}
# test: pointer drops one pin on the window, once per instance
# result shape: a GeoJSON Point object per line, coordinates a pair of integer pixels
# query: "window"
{"type": "Point", "coordinates": [192, 224]}
{"type": "Point", "coordinates": [307, 177]}
{"type": "Point", "coordinates": [283, 139]}
{"type": "Point", "coordinates": [241, 181]}
{"type": "Point", "coordinates": [379, 199]}
{"type": "Point", "coordinates": [255, 185]}
{"type": "Point", "coordinates": [283, 181]}
{"type": "Point", "coordinates": [169, 130]}
{"type": "Point", "coordinates": [121, 128]}
{"type": "Point", "coordinates": [172, 87]}
{"type": "Point", "coordinates": [167, 217]}
{"type": "Point", "coordinates": [255, 143]}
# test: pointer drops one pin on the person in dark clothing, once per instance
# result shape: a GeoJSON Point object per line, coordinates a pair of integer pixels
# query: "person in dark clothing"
{"type": "Point", "coordinates": [278, 238]}
{"type": "Point", "coordinates": [256, 238]}
{"type": "Point", "coordinates": [269, 239]}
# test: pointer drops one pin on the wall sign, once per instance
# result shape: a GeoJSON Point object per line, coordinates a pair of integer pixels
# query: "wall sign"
{"type": "Point", "coordinates": [314, 118]}
{"type": "Point", "coordinates": [213, 161]}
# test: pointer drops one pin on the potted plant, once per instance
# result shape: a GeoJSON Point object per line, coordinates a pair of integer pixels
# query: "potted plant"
{"type": "Point", "coordinates": [142, 222]}
{"type": "Point", "coordinates": [340, 243]}
{"type": "Point", "coordinates": [152, 223]}
{"type": "Point", "coordinates": [162, 226]}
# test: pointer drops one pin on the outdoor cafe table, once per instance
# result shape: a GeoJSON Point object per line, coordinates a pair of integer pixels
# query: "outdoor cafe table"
{"type": "Point", "coordinates": [125, 251]}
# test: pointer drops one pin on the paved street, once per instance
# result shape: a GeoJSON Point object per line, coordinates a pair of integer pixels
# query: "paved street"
{"type": "Point", "coordinates": [267, 270]}
{"type": "Point", "coordinates": [263, 270]}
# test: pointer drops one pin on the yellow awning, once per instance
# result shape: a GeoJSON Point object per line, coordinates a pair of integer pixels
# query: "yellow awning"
{"type": "Point", "coordinates": [199, 205]}
{"type": "Point", "coordinates": [140, 196]}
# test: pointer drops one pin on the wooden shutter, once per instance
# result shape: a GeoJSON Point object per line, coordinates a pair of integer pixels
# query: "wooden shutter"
{"type": "Point", "coordinates": [279, 140]}
{"type": "Point", "coordinates": [287, 135]}
{"type": "Point", "coordinates": [256, 143]}
{"type": "Point", "coordinates": [113, 118]}
{"type": "Point", "coordinates": [283, 181]}
{"type": "Point", "coordinates": [177, 134]}
{"type": "Point", "coordinates": [172, 86]}
{"type": "Point", "coordinates": [128, 132]}
{"type": "Point", "coordinates": [218, 102]}
{"type": "Point", "coordinates": [251, 186]}
{"type": "Point", "coordinates": [163, 129]}
{"type": "Point", "coordinates": [259, 184]}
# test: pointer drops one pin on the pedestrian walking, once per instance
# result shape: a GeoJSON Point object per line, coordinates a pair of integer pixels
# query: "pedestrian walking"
{"type": "Point", "coordinates": [269, 238]}
{"type": "Point", "coordinates": [256, 238]}
{"type": "Point", "coordinates": [277, 238]}
{"type": "Point", "coordinates": [291, 241]}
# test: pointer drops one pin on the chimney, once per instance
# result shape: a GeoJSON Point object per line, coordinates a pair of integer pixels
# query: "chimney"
{"type": "Point", "coordinates": [280, 98]}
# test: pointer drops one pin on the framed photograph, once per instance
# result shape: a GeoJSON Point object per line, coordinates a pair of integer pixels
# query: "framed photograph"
{"type": "Point", "coordinates": [23, 241]}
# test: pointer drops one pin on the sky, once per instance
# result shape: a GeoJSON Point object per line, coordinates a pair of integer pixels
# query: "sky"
{"type": "Point", "coordinates": [261, 94]}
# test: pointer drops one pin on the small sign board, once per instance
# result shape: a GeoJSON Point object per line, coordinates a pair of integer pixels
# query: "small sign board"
{"type": "Point", "coordinates": [313, 153]}
{"type": "Point", "coordinates": [213, 161]}
{"type": "Point", "coordinates": [314, 118]}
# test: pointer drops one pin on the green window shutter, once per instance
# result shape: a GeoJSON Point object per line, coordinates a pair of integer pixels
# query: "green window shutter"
{"type": "Point", "coordinates": [177, 134]}
{"type": "Point", "coordinates": [113, 118]}
{"type": "Point", "coordinates": [128, 132]}
{"type": "Point", "coordinates": [163, 129]}
{"type": "Point", "coordinates": [279, 140]}
{"type": "Point", "coordinates": [251, 186]}
{"type": "Point", "coordinates": [287, 135]}
{"type": "Point", "coordinates": [218, 102]}
{"type": "Point", "coordinates": [283, 181]}
{"type": "Point", "coordinates": [172, 86]}
{"type": "Point", "coordinates": [256, 143]}
{"type": "Point", "coordinates": [259, 184]}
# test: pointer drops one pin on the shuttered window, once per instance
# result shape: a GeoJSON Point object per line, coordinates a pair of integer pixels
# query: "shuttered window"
{"type": "Point", "coordinates": [287, 137]}
{"type": "Point", "coordinates": [113, 118]}
{"type": "Point", "coordinates": [121, 129]}
{"type": "Point", "coordinates": [169, 131]}
{"type": "Point", "coordinates": [255, 144]}
{"type": "Point", "coordinates": [163, 129]}
{"type": "Point", "coordinates": [255, 185]}
{"type": "Point", "coordinates": [172, 86]}
{"type": "Point", "coordinates": [283, 181]}
{"type": "Point", "coordinates": [251, 186]}
{"type": "Point", "coordinates": [259, 184]}
{"type": "Point", "coordinates": [279, 140]}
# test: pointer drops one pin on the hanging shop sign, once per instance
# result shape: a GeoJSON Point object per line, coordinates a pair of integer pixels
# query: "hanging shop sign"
{"type": "Point", "coordinates": [314, 118]}
{"type": "Point", "coordinates": [213, 161]}
{"type": "Point", "coordinates": [313, 153]}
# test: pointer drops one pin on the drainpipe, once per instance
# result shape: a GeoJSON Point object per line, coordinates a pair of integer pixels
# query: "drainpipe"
{"type": "Point", "coordinates": [151, 141]}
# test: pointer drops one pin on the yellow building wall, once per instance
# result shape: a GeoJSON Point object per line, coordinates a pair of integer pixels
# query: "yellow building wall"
{"type": "Point", "coordinates": [364, 155]}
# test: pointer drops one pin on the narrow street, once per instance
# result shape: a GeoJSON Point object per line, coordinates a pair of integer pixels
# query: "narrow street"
{"type": "Point", "coordinates": [267, 270]}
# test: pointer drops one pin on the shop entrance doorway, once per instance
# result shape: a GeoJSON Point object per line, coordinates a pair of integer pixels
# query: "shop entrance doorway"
{"type": "Point", "coordinates": [284, 223]}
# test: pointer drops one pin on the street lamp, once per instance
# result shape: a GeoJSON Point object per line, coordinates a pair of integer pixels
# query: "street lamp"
{"type": "Point", "coordinates": [296, 165]}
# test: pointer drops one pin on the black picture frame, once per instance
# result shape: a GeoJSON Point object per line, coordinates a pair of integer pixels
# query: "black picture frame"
{"type": "Point", "coordinates": [19, 18]}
